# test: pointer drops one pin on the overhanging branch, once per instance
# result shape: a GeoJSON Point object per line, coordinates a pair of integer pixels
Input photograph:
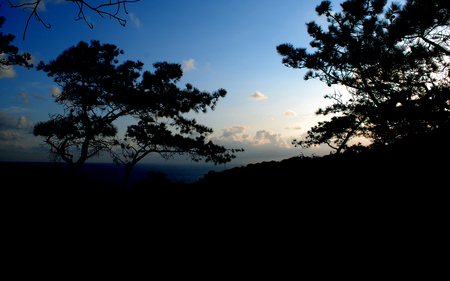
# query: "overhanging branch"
{"type": "Point", "coordinates": [81, 4]}
{"type": "Point", "coordinates": [33, 6]}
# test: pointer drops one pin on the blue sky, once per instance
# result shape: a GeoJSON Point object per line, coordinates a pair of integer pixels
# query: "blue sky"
{"type": "Point", "coordinates": [221, 44]}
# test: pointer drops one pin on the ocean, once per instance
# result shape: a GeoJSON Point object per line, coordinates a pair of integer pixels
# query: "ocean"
{"type": "Point", "coordinates": [112, 174]}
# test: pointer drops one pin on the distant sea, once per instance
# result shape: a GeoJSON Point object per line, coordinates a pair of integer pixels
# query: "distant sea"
{"type": "Point", "coordinates": [112, 174]}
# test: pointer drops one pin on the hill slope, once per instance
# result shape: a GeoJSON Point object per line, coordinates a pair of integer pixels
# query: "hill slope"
{"type": "Point", "coordinates": [416, 162]}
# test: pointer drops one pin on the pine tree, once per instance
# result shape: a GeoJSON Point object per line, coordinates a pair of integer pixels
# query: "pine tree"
{"type": "Point", "coordinates": [97, 90]}
{"type": "Point", "coordinates": [393, 63]}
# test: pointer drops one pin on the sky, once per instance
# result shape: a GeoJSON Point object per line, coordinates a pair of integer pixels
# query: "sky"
{"type": "Point", "coordinates": [220, 44]}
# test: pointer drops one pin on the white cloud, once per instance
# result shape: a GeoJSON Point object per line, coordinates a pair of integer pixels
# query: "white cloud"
{"type": "Point", "coordinates": [55, 91]}
{"type": "Point", "coordinates": [135, 20]}
{"type": "Point", "coordinates": [264, 145]}
{"type": "Point", "coordinates": [234, 131]}
{"type": "Point", "coordinates": [258, 96]}
{"type": "Point", "coordinates": [13, 123]}
{"type": "Point", "coordinates": [264, 137]}
{"type": "Point", "coordinates": [290, 113]}
{"type": "Point", "coordinates": [23, 123]}
{"type": "Point", "coordinates": [188, 65]}
{"type": "Point", "coordinates": [236, 136]}
{"type": "Point", "coordinates": [8, 71]}
{"type": "Point", "coordinates": [33, 59]}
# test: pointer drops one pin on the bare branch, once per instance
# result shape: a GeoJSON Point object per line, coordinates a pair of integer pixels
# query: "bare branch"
{"type": "Point", "coordinates": [81, 16]}
{"type": "Point", "coordinates": [33, 6]}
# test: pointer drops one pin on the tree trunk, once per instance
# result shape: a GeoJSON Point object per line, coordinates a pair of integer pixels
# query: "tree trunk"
{"type": "Point", "coordinates": [75, 167]}
{"type": "Point", "coordinates": [83, 157]}
{"type": "Point", "coordinates": [135, 160]}
{"type": "Point", "coordinates": [347, 138]}
{"type": "Point", "coordinates": [127, 175]}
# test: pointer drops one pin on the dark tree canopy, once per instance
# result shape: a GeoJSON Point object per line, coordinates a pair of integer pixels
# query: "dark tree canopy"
{"type": "Point", "coordinates": [97, 90]}
{"type": "Point", "coordinates": [101, 9]}
{"type": "Point", "coordinates": [9, 54]}
{"type": "Point", "coordinates": [394, 62]}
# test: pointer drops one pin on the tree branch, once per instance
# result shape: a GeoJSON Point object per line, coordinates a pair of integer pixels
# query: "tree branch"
{"type": "Point", "coordinates": [328, 143]}
{"type": "Point", "coordinates": [34, 12]}
{"type": "Point", "coordinates": [447, 52]}
{"type": "Point", "coordinates": [80, 3]}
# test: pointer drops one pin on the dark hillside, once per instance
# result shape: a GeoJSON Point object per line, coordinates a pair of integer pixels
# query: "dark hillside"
{"type": "Point", "coordinates": [45, 179]}
{"type": "Point", "coordinates": [408, 179]}
{"type": "Point", "coordinates": [417, 164]}
{"type": "Point", "coordinates": [421, 161]}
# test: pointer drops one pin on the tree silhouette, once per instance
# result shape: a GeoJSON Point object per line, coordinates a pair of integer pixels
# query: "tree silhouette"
{"type": "Point", "coordinates": [9, 53]}
{"type": "Point", "coordinates": [151, 136]}
{"type": "Point", "coordinates": [394, 67]}
{"type": "Point", "coordinates": [163, 129]}
{"type": "Point", "coordinates": [97, 90]}
{"type": "Point", "coordinates": [81, 5]}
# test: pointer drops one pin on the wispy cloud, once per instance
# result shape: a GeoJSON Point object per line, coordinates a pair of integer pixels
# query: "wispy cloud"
{"type": "Point", "coordinates": [38, 96]}
{"type": "Point", "coordinates": [135, 20]}
{"type": "Point", "coordinates": [188, 65]}
{"type": "Point", "coordinates": [42, 6]}
{"type": "Point", "coordinates": [258, 96]}
{"type": "Point", "coordinates": [13, 109]}
{"type": "Point", "coordinates": [295, 127]}
{"type": "Point", "coordinates": [25, 98]}
{"type": "Point", "coordinates": [290, 113]}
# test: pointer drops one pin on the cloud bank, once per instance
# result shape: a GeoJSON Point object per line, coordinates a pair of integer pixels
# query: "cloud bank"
{"type": "Point", "coordinates": [17, 142]}
{"type": "Point", "coordinates": [236, 136]}
{"type": "Point", "coordinates": [12, 127]}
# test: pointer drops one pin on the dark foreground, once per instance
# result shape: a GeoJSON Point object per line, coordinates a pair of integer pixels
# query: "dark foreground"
{"type": "Point", "coordinates": [403, 168]}
{"type": "Point", "coordinates": [373, 209]}
{"type": "Point", "coordinates": [386, 199]}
